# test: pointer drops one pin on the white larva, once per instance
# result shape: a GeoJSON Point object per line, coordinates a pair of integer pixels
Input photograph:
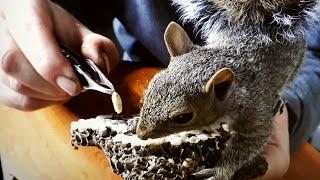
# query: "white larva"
{"type": "Point", "coordinates": [117, 102]}
{"type": "Point", "coordinates": [171, 162]}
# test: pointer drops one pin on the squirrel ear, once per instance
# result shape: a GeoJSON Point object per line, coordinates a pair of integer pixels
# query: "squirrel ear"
{"type": "Point", "coordinates": [219, 84]}
{"type": "Point", "coordinates": [176, 40]}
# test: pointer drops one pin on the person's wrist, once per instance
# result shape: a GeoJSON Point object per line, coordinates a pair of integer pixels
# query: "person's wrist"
{"type": "Point", "coordinates": [277, 150]}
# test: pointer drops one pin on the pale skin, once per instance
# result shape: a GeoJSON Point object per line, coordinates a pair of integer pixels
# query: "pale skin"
{"type": "Point", "coordinates": [34, 74]}
{"type": "Point", "coordinates": [277, 151]}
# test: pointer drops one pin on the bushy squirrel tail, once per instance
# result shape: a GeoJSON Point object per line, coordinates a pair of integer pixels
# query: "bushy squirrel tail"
{"type": "Point", "coordinates": [276, 18]}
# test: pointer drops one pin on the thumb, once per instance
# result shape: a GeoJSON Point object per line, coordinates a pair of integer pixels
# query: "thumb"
{"type": "Point", "coordinates": [101, 50]}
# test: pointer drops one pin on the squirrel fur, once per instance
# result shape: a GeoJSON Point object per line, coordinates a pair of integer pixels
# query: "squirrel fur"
{"type": "Point", "coordinates": [235, 78]}
{"type": "Point", "coordinates": [272, 19]}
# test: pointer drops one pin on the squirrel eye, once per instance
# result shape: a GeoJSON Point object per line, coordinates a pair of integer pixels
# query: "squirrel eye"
{"type": "Point", "coordinates": [183, 118]}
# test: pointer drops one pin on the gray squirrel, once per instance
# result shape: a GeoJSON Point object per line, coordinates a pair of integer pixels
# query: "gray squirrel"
{"type": "Point", "coordinates": [253, 49]}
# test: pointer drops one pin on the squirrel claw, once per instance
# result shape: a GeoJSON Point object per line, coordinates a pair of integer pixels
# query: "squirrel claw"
{"type": "Point", "coordinates": [280, 106]}
{"type": "Point", "coordinates": [210, 174]}
{"type": "Point", "coordinates": [203, 174]}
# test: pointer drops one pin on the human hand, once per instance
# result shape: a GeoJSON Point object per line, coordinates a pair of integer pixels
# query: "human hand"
{"type": "Point", "coordinates": [33, 71]}
{"type": "Point", "coordinates": [277, 150]}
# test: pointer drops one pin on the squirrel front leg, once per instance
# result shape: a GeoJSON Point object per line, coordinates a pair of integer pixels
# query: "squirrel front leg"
{"type": "Point", "coordinates": [251, 136]}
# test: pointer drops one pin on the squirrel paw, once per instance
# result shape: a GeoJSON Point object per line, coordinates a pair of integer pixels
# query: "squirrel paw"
{"type": "Point", "coordinates": [211, 174]}
{"type": "Point", "coordinates": [280, 106]}
{"type": "Point", "coordinates": [253, 169]}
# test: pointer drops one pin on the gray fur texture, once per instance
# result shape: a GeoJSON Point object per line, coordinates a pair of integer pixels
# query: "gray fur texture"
{"type": "Point", "coordinates": [247, 45]}
{"type": "Point", "coordinates": [273, 19]}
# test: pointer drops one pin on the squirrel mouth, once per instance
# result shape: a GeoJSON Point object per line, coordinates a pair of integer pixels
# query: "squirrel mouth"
{"type": "Point", "coordinates": [174, 156]}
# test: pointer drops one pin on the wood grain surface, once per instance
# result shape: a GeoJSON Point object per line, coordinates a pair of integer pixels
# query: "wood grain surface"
{"type": "Point", "coordinates": [36, 145]}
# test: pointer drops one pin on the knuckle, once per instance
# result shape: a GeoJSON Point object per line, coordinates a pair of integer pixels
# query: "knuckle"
{"type": "Point", "coordinates": [108, 41]}
{"type": "Point", "coordinates": [27, 104]}
{"type": "Point", "coordinates": [48, 68]}
{"type": "Point", "coordinates": [91, 48]}
{"type": "Point", "coordinates": [10, 63]}
{"type": "Point", "coordinates": [91, 41]}
{"type": "Point", "coordinates": [17, 86]}
{"type": "Point", "coordinates": [94, 40]}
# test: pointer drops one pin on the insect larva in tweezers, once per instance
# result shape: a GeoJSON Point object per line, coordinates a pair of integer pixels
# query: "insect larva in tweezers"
{"type": "Point", "coordinates": [117, 102]}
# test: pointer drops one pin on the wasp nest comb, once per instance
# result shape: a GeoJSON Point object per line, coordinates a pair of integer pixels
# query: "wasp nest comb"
{"type": "Point", "coordinates": [172, 157]}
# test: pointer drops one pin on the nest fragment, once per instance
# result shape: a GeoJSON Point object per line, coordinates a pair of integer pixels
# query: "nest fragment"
{"type": "Point", "coordinates": [172, 157]}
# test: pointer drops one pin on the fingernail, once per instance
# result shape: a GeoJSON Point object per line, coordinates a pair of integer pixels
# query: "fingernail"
{"type": "Point", "coordinates": [106, 60]}
{"type": "Point", "coordinates": [68, 85]}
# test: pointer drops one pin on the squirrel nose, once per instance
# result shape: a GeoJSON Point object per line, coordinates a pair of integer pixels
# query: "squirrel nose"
{"type": "Point", "coordinates": [142, 132]}
{"type": "Point", "coordinates": [148, 133]}
{"type": "Point", "coordinates": [142, 136]}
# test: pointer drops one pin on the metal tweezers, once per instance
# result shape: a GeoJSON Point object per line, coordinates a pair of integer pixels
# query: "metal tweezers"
{"type": "Point", "coordinates": [89, 74]}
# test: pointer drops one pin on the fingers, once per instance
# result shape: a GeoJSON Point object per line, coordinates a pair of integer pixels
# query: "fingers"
{"type": "Point", "coordinates": [91, 45]}
{"type": "Point", "coordinates": [18, 101]}
{"type": "Point", "coordinates": [32, 29]}
{"type": "Point", "coordinates": [22, 89]}
{"type": "Point", "coordinates": [99, 49]}
{"type": "Point", "coordinates": [17, 73]}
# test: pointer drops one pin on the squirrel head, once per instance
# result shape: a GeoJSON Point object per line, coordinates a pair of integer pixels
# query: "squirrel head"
{"type": "Point", "coordinates": [178, 99]}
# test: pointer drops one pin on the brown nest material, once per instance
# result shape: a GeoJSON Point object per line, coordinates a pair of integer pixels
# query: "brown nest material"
{"type": "Point", "coordinates": [176, 156]}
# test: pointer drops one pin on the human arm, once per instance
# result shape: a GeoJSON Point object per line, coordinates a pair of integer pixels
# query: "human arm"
{"type": "Point", "coordinates": [303, 95]}
{"type": "Point", "coordinates": [303, 115]}
{"type": "Point", "coordinates": [277, 151]}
